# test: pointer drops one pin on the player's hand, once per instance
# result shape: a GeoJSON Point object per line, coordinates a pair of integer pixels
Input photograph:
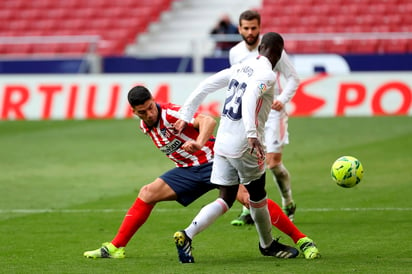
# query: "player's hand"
{"type": "Point", "coordinates": [277, 105]}
{"type": "Point", "coordinates": [255, 144]}
{"type": "Point", "coordinates": [191, 146]}
{"type": "Point", "coordinates": [179, 126]}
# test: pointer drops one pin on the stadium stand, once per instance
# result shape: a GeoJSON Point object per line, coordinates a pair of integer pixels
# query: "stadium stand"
{"type": "Point", "coordinates": [386, 25]}
{"type": "Point", "coordinates": [186, 27]}
{"type": "Point", "coordinates": [117, 23]}
{"type": "Point", "coordinates": [144, 27]}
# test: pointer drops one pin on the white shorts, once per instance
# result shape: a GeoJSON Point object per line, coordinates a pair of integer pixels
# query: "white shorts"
{"type": "Point", "coordinates": [232, 171]}
{"type": "Point", "coordinates": [276, 131]}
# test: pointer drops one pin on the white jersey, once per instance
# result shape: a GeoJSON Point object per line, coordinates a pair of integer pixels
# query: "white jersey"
{"type": "Point", "coordinates": [276, 131]}
{"type": "Point", "coordinates": [284, 67]}
{"type": "Point", "coordinates": [249, 96]}
{"type": "Point", "coordinates": [240, 53]}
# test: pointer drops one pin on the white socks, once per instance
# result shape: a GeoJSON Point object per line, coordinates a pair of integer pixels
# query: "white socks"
{"type": "Point", "coordinates": [260, 214]}
{"type": "Point", "coordinates": [206, 216]}
{"type": "Point", "coordinates": [282, 177]}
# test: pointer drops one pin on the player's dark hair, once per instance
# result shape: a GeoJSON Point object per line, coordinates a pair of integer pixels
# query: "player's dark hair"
{"type": "Point", "coordinates": [249, 15]}
{"type": "Point", "coordinates": [273, 40]}
{"type": "Point", "coordinates": [138, 96]}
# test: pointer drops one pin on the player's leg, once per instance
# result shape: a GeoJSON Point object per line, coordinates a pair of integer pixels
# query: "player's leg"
{"type": "Point", "coordinates": [282, 177]}
{"type": "Point", "coordinates": [135, 217]}
{"type": "Point", "coordinates": [183, 185]}
{"type": "Point", "coordinates": [224, 175]}
{"type": "Point", "coordinates": [259, 210]}
{"type": "Point", "coordinates": [284, 224]}
{"type": "Point", "coordinates": [140, 211]}
{"type": "Point", "coordinates": [206, 216]}
{"type": "Point", "coordinates": [252, 174]}
{"type": "Point", "coordinates": [210, 212]}
{"type": "Point", "coordinates": [276, 137]}
{"type": "Point", "coordinates": [244, 217]}
{"type": "Point", "coordinates": [260, 213]}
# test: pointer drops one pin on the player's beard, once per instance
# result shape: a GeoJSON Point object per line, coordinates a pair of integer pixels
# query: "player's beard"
{"type": "Point", "coordinates": [251, 40]}
{"type": "Point", "coordinates": [151, 121]}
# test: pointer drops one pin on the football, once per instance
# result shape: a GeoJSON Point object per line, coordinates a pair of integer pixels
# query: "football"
{"type": "Point", "coordinates": [347, 171]}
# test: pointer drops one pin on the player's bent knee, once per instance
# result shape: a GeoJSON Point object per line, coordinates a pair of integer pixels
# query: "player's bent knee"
{"type": "Point", "coordinates": [157, 191]}
{"type": "Point", "coordinates": [146, 194]}
{"type": "Point", "coordinates": [228, 194]}
{"type": "Point", "coordinates": [256, 189]}
{"type": "Point", "coordinates": [273, 160]}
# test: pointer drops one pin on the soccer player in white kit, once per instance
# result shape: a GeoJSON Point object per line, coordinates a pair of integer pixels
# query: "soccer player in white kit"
{"type": "Point", "coordinates": [276, 128]}
{"type": "Point", "coordinates": [239, 149]}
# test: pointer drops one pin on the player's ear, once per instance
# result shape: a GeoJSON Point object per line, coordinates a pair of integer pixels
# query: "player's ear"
{"type": "Point", "coordinates": [260, 48]}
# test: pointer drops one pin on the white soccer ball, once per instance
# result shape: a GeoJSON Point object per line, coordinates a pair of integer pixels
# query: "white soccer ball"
{"type": "Point", "coordinates": [347, 171]}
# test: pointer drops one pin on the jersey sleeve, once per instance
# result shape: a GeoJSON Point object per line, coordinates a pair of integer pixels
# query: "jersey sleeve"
{"type": "Point", "coordinates": [251, 102]}
{"type": "Point", "coordinates": [287, 70]}
{"type": "Point", "coordinates": [211, 84]}
{"type": "Point", "coordinates": [232, 55]}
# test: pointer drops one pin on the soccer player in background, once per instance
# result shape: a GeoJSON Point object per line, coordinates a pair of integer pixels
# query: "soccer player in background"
{"type": "Point", "coordinates": [239, 152]}
{"type": "Point", "coordinates": [276, 128]}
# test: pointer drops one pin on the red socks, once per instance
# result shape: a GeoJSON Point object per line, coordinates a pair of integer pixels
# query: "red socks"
{"type": "Point", "coordinates": [134, 219]}
{"type": "Point", "coordinates": [282, 222]}
{"type": "Point", "coordinates": [140, 211]}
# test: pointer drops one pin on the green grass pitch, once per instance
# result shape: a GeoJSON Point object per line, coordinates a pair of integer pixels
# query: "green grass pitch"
{"type": "Point", "coordinates": [66, 185]}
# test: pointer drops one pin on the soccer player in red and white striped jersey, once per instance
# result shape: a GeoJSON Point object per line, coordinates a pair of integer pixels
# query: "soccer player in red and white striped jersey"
{"type": "Point", "coordinates": [192, 151]}
{"type": "Point", "coordinates": [163, 137]}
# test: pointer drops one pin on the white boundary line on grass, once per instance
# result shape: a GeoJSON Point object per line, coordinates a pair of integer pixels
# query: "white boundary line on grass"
{"type": "Point", "coordinates": [109, 210]}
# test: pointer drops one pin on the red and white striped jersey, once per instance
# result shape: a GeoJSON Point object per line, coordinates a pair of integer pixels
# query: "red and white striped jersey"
{"type": "Point", "coordinates": [170, 144]}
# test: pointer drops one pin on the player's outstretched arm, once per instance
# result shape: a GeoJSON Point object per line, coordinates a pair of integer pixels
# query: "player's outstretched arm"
{"type": "Point", "coordinates": [206, 126]}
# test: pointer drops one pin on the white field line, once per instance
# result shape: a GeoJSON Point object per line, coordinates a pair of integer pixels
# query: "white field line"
{"type": "Point", "coordinates": [110, 210]}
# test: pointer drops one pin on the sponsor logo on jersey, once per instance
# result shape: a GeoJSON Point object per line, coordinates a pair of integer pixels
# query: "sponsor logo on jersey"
{"type": "Point", "coordinates": [171, 147]}
{"type": "Point", "coordinates": [263, 87]}
{"type": "Point", "coordinates": [165, 132]}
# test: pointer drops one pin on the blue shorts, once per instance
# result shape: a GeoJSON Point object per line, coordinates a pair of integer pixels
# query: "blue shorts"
{"type": "Point", "coordinates": [189, 183]}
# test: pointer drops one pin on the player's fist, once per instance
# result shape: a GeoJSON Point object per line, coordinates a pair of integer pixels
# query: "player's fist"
{"type": "Point", "coordinates": [179, 126]}
{"type": "Point", "coordinates": [277, 105]}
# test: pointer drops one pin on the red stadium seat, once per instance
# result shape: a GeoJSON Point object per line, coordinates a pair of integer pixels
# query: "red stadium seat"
{"type": "Point", "coordinates": [42, 4]}
{"type": "Point", "coordinates": [45, 25]}
{"type": "Point", "coordinates": [291, 46]}
{"type": "Point", "coordinates": [18, 25]}
{"type": "Point", "coordinates": [74, 48]}
{"type": "Point", "coordinates": [364, 46]}
{"type": "Point", "coordinates": [349, 16]}
{"type": "Point", "coordinates": [338, 46]}
{"type": "Point", "coordinates": [46, 49]}
{"type": "Point", "coordinates": [100, 24]}
{"type": "Point", "coordinates": [58, 14]}
{"type": "Point", "coordinates": [396, 46]}
{"type": "Point", "coordinates": [310, 46]}
{"type": "Point", "coordinates": [121, 21]}
{"type": "Point", "coordinates": [117, 22]}
{"type": "Point", "coordinates": [73, 24]}
{"type": "Point", "coordinates": [85, 12]}
{"type": "Point", "coordinates": [18, 49]}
